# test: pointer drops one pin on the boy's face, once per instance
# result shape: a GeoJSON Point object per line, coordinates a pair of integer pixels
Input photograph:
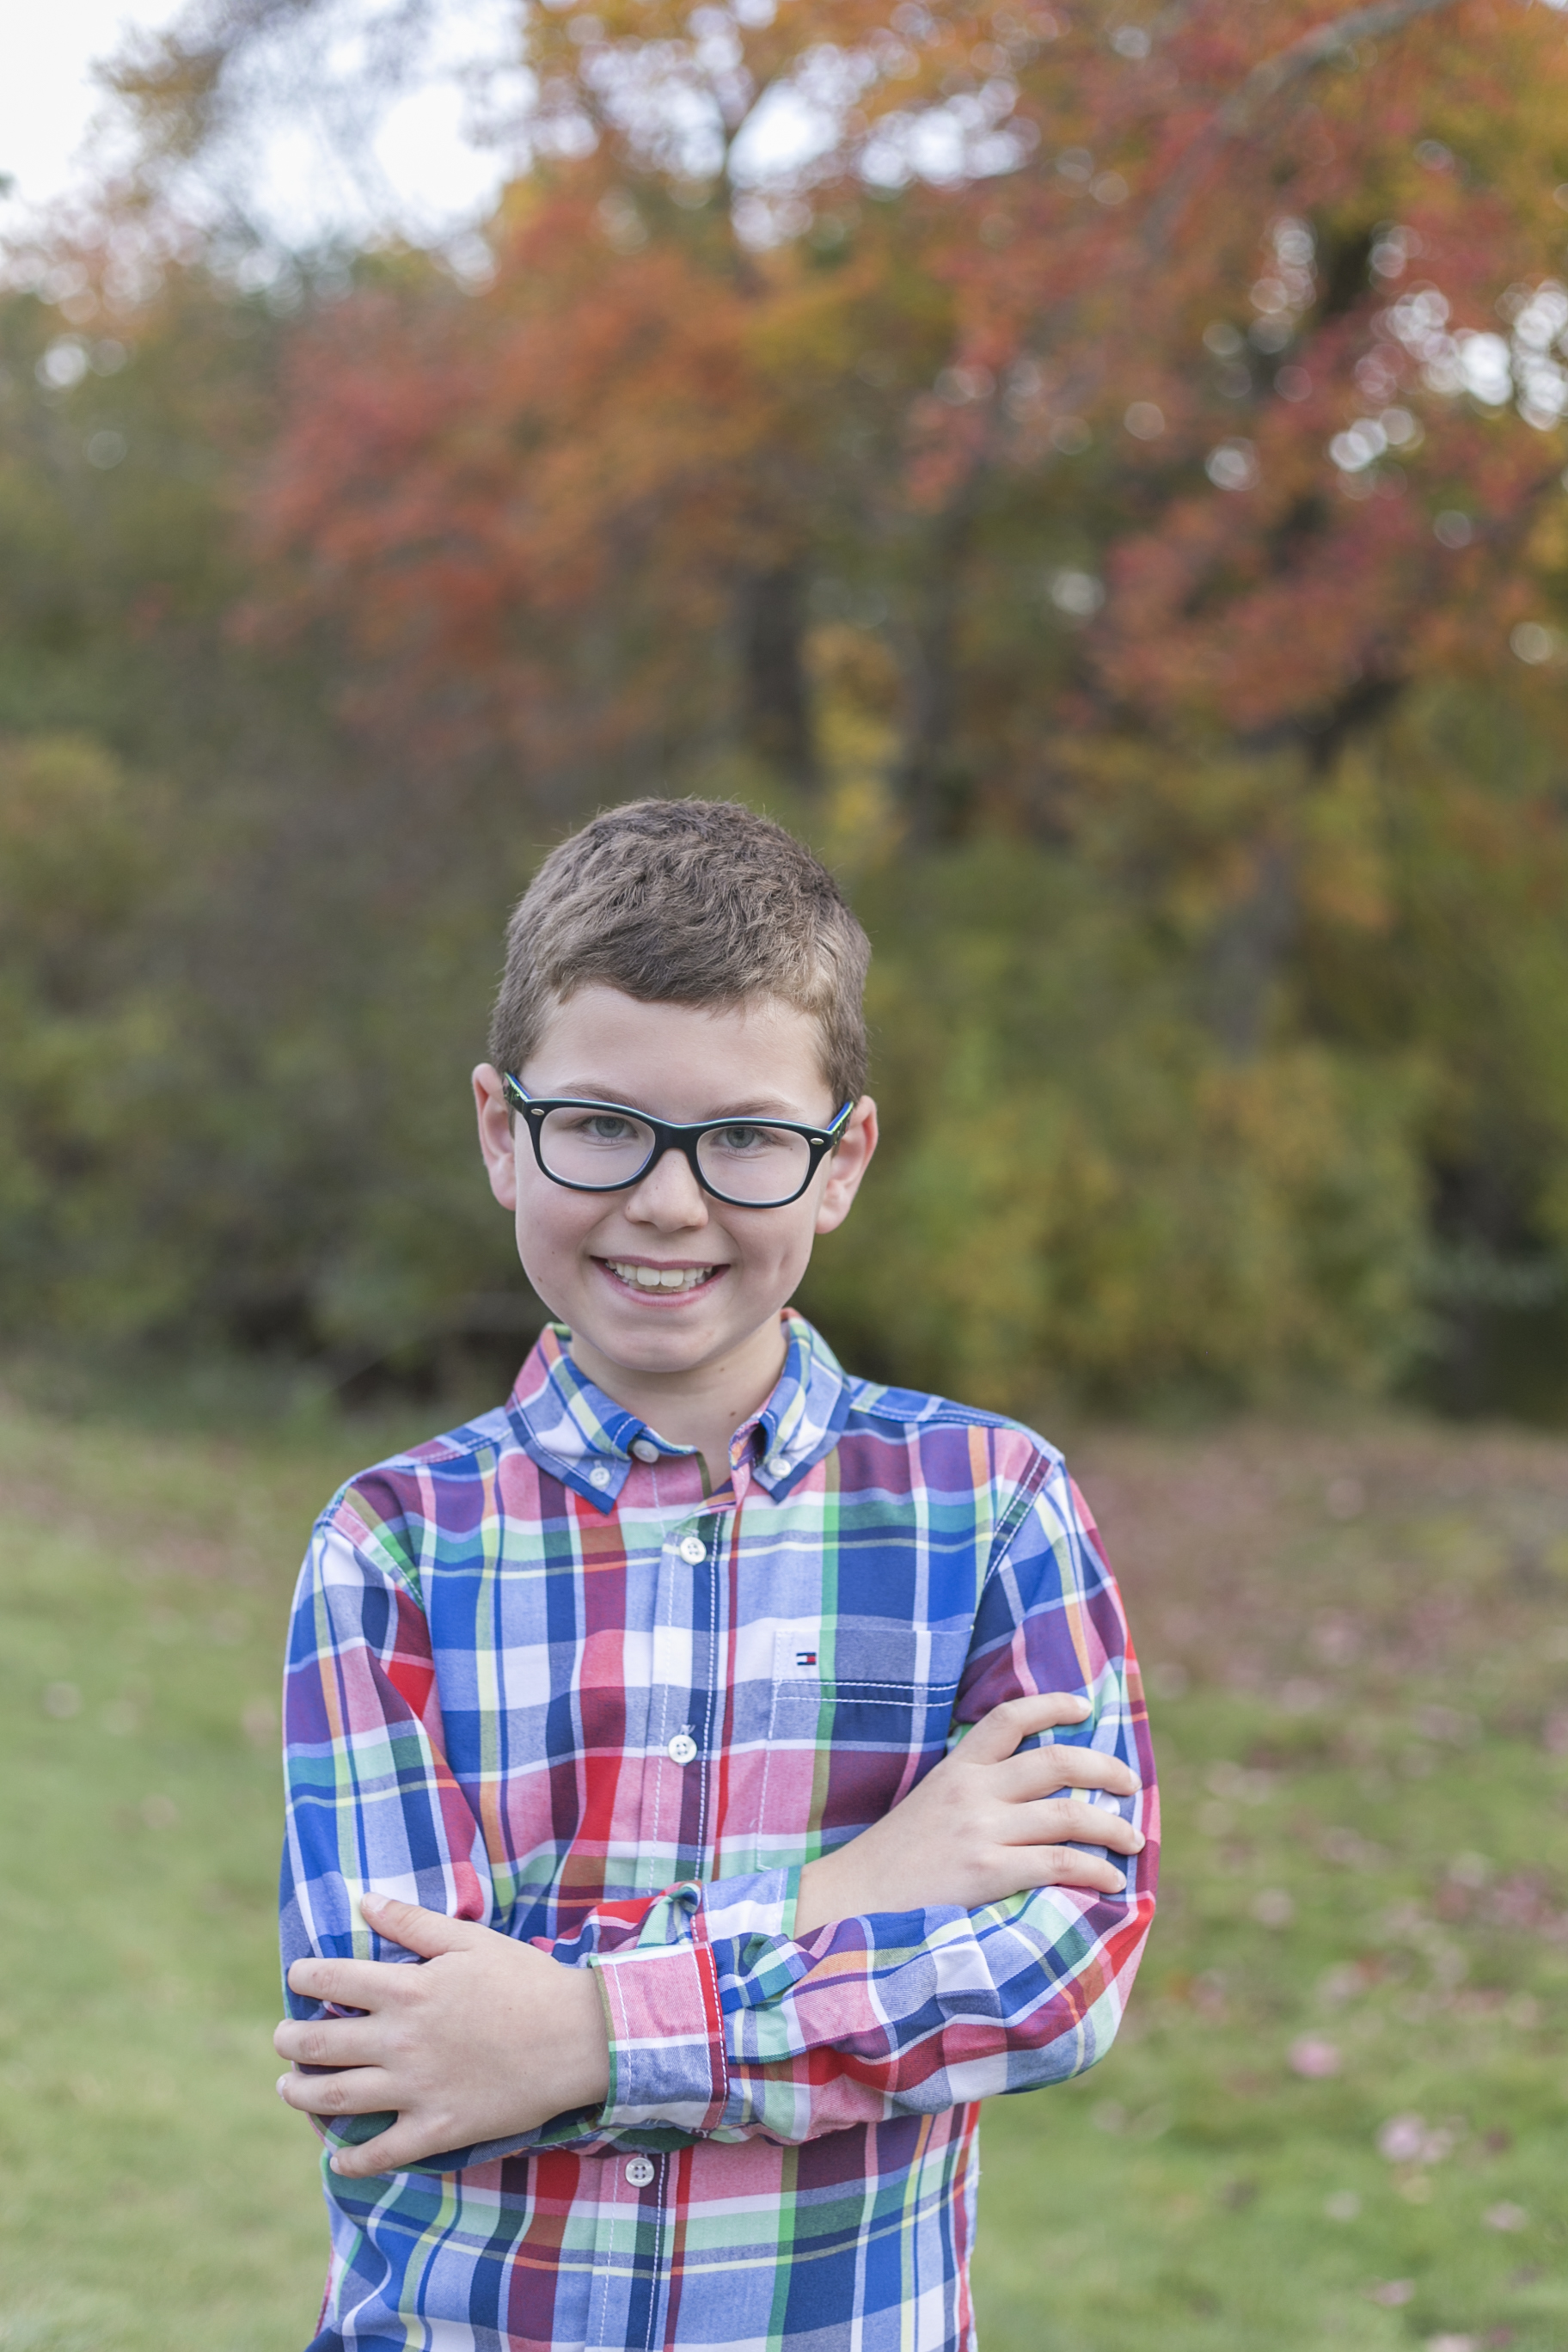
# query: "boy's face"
{"type": "Point", "coordinates": [579, 1250]}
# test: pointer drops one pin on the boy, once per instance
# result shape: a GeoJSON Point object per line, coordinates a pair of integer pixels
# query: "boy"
{"type": "Point", "coordinates": [625, 1708]}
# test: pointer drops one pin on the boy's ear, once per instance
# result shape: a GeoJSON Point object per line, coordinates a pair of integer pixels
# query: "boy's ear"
{"type": "Point", "coordinates": [495, 1133]}
{"type": "Point", "coordinates": [846, 1165]}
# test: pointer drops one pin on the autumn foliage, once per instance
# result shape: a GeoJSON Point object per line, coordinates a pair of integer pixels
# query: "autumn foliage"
{"type": "Point", "coordinates": [1262, 329]}
{"type": "Point", "coordinates": [1101, 474]}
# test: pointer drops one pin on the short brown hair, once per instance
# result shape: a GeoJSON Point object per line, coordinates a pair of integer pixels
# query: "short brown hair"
{"type": "Point", "coordinates": [687, 902]}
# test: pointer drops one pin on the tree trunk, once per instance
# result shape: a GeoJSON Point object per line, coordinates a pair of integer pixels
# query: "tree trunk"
{"type": "Point", "coordinates": [931, 787]}
{"type": "Point", "coordinates": [1250, 943]}
{"type": "Point", "coordinates": [776, 700]}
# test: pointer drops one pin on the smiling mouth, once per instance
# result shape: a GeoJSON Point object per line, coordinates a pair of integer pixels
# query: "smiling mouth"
{"type": "Point", "coordinates": [662, 1278]}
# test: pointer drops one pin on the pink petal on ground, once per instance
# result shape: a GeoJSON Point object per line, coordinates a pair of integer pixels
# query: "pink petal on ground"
{"type": "Point", "coordinates": [1401, 2138]}
{"type": "Point", "coordinates": [1315, 2058]}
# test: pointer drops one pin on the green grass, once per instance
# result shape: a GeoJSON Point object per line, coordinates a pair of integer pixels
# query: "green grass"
{"type": "Point", "coordinates": [155, 2194]}
{"type": "Point", "coordinates": [1364, 1851]}
{"type": "Point", "coordinates": [1358, 1642]}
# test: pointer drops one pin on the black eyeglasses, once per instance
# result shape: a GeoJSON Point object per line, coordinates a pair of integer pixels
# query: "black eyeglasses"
{"type": "Point", "coordinates": [596, 1146]}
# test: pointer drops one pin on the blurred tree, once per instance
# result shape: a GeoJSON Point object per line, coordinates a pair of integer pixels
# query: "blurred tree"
{"type": "Point", "coordinates": [1132, 438]}
{"type": "Point", "coordinates": [1211, 303]}
{"type": "Point", "coordinates": [84, 1046]}
{"type": "Point", "coordinates": [236, 964]}
{"type": "Point", "coordinates": [1081, 1194]}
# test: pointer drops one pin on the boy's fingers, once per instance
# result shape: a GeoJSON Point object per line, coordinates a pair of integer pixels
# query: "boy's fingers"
{"type": "Point", "coordinates": [401, 2144]}
{"type": "Point", "coordinates": [357, 2091]}
{"type": "Point", "coordinates": [1060, 1819]}
{"type": "Point", "coordinates": [428, 1933]}
{"type": "Point", "coordinates": [324, 2040]}
{"type": "Point", "coordinates": [1041, 1771]}
{"type": "Point", "coordinates": [1056, 1865]}
{"type": "Point", "coordinates": [996, 1735]}
{"type": "Point", "coordinates": [350, 1984]}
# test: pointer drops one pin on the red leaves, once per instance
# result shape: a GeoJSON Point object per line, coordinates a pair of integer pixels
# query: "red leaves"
{"type": "Point", "coordinates": [544, 492]}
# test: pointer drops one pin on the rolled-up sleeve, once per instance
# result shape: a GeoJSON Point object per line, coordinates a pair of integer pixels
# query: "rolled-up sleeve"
{"type": "Point", "coordinates": [908, 2013]}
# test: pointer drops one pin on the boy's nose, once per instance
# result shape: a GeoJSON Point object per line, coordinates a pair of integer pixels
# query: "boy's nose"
{"type": "Point", "coordinates": [669, 1193]}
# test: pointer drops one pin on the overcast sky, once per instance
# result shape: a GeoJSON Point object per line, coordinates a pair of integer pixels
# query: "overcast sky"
{"type": "Point", "coordinates": [429, 173]}
{"type": "Point", "coordinates": [45, 97]}
{"type": "Point", "coordinates": [408, 164]}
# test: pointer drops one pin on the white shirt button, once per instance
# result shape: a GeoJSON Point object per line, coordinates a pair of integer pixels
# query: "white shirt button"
{"type": "Point", "coordinates": [646, 1451]}
{"type": "Point", "coordinates": [683, 1749]}
{"type": "Point", "coordinates": [598, 1475]}
{"type": "Point", "coordinates": [692, 1549]}
{"type": "Point", "coordinates": [776, 1465]}
{"type": "Point", "coordinates": [640, 2171]}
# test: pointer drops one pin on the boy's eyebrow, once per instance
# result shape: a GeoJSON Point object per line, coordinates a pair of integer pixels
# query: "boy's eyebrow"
{"type": "Point", "coordinates": [753, 1107]}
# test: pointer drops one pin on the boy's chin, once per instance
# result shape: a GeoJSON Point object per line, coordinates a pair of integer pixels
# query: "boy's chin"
{"type": "Point", "coordinates": [642, 1339]}
{"type": "Point", "coordinates": [656, 1342]}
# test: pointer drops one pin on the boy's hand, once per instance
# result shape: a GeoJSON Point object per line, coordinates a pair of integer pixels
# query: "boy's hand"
{"type": "Point", "coordinates": [489, 2038]}
{"type": "Point", "coordinates": [986, 1823]}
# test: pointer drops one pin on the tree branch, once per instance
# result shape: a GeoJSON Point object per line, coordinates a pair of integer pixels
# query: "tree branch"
{"type": "Point", "coordinates": [1234, 117]}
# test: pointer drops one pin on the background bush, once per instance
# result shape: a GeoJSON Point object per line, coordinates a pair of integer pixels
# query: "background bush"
{"type": "Point", "coordinates": [1145, 577]}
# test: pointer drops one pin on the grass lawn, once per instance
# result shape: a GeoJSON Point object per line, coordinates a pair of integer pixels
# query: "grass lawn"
{"type": "Point", "coordinates": [1335, 2117]}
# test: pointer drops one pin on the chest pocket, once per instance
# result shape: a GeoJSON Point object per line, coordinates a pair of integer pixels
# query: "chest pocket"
{"type": "Point", "coordinates": [845, 1743]}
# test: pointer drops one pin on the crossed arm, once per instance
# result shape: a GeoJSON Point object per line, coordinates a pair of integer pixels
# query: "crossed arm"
{"type": "Point", "coordinates": [492, 2037]}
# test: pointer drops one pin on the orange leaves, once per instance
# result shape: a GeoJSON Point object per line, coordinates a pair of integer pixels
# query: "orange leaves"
{"type": "Point", "coordinates": [465, 479]}
{"type": "Point", "coordinates": [1208, 305]}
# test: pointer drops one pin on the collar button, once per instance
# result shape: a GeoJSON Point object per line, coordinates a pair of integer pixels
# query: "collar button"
{"type": "Point", "coordinates": [645, 1449]}
{"type": "Point", "coordinates": [598, 1475]}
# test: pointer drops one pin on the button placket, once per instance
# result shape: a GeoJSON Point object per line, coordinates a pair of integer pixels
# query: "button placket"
{"type": "Point", "coordinates": [683, 1749]}
{"type": "Point", "coordinates": [687, 1744]}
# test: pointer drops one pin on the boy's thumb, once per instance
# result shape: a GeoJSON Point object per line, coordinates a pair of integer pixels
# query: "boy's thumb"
{"type": "Point", "coordinates": [428, 1933]}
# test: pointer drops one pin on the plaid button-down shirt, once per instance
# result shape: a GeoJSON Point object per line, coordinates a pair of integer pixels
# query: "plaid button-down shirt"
{"type": "Point", "coordinates": [538, 1679]}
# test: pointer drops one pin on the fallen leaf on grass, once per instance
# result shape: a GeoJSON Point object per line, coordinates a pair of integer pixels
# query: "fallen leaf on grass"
{"type": "Point", "coordinates": [1409, 2139]}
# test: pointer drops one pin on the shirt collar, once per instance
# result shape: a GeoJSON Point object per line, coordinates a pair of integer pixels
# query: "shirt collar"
{"type": "Point", "coordinates": [582, 1436]}
{"type": "Point", "coordinates": [801, 1420]}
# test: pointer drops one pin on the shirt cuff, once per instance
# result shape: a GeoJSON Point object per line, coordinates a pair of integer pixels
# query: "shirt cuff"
{"type": "Point", "coordinates": [666, 2038]}
{"type": "Point", "coordinates": [762, 1904]}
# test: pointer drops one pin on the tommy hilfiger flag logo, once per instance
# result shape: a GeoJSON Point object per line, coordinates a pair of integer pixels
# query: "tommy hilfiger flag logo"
{"type": "Point", "coordinates": [805, 1657]}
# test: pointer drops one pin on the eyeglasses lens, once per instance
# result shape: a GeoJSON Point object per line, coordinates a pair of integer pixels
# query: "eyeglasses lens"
{"type": "Point", "coordinates": [595, 1147]}
{"type": "Point", "coordinates": [746, 1162]}
{"type": "Point", "coordinates": [756, 1165]}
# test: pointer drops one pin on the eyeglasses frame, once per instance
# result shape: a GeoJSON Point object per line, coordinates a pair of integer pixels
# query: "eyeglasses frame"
{"type": "Point", "coordinates": [670, 1135]}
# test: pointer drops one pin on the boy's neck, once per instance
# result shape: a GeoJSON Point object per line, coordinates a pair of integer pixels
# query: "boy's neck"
{"type": "Point", "coordinates": [703, 1406]}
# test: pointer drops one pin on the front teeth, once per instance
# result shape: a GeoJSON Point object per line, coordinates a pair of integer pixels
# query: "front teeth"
{"type": "Point", "coordinates": [657, 1277]}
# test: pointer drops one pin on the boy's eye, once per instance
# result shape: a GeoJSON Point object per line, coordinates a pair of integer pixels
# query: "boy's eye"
{"type": "Point", "coordinates": [746, 1142]}
{"type": "Point", "coordinates": [589, 1126]}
